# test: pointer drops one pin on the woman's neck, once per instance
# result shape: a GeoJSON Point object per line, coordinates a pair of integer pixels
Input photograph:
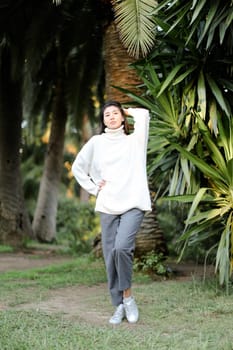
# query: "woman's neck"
{"type": "Point", "coordinates": [117, 131]}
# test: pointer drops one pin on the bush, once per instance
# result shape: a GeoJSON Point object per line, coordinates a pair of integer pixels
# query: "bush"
{"type": "Point", "coordinates": [78, 223]}
{"type": "Point", "coordinates": [151, 263]}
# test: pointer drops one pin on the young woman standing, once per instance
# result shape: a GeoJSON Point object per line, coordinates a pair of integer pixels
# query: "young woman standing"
{"type": "Point", "coordinates": [112, 167]}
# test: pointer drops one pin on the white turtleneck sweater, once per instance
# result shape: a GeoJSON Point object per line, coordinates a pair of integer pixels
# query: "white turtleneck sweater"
{"type": "Point", "coordinates": [120, 160]}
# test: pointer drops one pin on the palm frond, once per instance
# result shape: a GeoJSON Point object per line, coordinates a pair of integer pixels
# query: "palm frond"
{"type": "Point", "coordinates": [136, 25]}
{"type": "Point", "coordinates": [57, 2]}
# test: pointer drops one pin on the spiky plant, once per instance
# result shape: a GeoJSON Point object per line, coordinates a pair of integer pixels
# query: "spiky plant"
{"type": "Point", "coordinates": [212, 205]}
{"type": "Point", "coordinates": [188, 89]}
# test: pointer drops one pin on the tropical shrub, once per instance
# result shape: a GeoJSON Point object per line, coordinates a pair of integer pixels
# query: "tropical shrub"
{"type": "Point", "coordinates": [216, 210]}
{"type": "Point", "coordinates": [187, 86]}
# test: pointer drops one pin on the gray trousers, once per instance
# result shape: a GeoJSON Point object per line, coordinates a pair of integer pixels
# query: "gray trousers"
{"type": "Point", "coordinates": [118, 243]}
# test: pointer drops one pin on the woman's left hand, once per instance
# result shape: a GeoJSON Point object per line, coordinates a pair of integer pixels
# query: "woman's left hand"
{"type": "Point", "coordinates": [102, 183]}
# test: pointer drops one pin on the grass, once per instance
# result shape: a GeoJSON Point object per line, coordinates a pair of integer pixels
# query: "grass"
{"type": "Point", "coordinates": [6, 249]}
{"type": "Point", "coordinates": [173, 314]}
{"type": "Point", "coordinates": [15, 284]}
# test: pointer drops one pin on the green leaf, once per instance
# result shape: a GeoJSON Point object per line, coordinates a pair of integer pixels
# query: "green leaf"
{"type": "Point", "coordinates": [226, 137]}
{"type": "Point", "coordinates": [230, 172]}
{"type": "Point", "coordinates": [186, 170]}
{"type": "Point", "coordinates": [224, 26]}
{"type": "Point", "coordinates": [180, 14]}
{"type": "Point", "coordinates": [203, 166]}
{"type": "Point", "coordinates": [212, 11]}
{"type": "Point", "coordinates": [195, 204]}
{"type": "Point", "coordinates": [184, 75]}
{"type": "Point", "coordinates": [201, 91]}
{"type": "Point", "coordinates": [200, 4]}
{"type": "Point", "coordinates": [142, 101]}
{"type": "Point", "coordinates": [218, 94]}
{"type": "Point", "coordinates": [195, 230]}
{"type": "Point", "coordinates": [170, 78]}
{"type": "Point", "coordinates": [214, 149]}
{"type": "Point", "coordinates": [163, 99]}
{"type": "Point", "coordinates": [208, 215]}
{"type": "Point", "coordinates": [222, 257]}
{"type": "Point", "coordinates": [174, 180]}
{"type": "Point", "coordinates": [188, 198]}
{"type": "Point", "coordinates": [162, 5]}
{"type": "Point", "coordinates": [214, 117]}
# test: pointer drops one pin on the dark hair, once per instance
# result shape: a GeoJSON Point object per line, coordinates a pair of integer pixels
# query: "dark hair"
{"type": "Point", "coordinates": [118, 105]}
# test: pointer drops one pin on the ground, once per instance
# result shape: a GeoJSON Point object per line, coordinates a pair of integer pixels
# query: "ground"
{"type": "Point", "coordinates": [88, 301]}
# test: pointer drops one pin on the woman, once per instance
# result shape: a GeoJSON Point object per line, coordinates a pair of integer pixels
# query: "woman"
{"type": "Point", "coordinates": [112, 166]}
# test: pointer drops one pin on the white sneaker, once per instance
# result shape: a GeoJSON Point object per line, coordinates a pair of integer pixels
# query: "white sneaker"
{"type": "Point", "coordinates": [118, 315]}
{"type": "Point", "coordinates": [131, 310]}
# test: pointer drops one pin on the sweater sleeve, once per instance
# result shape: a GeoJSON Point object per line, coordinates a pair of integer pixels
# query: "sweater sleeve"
{"type": "Point", "coordinates": [141, 124]}
{"type": "Point", "coordinates": [81, 168]}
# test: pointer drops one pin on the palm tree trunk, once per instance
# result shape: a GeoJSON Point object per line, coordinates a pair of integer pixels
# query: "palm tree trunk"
{"type": "Point", "coordinates": [14, 219]}
{"type": "Point", "coordinates": [44, 222]}
{"type": "Point", "coordinates": [150, 236]}
{"type": "Point", "coordinates": [117, 67]}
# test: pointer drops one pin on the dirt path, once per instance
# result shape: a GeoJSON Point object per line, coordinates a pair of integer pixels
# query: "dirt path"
{"type": "Point", "coordinates": [75, 303]}
{"type": "Point", "coordinates": [89, 304]}
{"type": "Point", "coordinates": [24, 261]}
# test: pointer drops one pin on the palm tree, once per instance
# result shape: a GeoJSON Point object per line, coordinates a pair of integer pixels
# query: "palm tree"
{"type": "Point", "coordinates": [17, 43]}
{"type": "Point", "coordinates": [128, 36]}
{"type": "Point", "coordinates": [69, 84]}
{"type": "Point", "coordinates": [44, 222]}
{"type": "Point", "coordinates": [14, 219]}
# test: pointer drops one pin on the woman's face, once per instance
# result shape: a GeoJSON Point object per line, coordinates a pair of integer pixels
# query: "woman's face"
{"type": "Point", "coordinates": [113, 117]}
